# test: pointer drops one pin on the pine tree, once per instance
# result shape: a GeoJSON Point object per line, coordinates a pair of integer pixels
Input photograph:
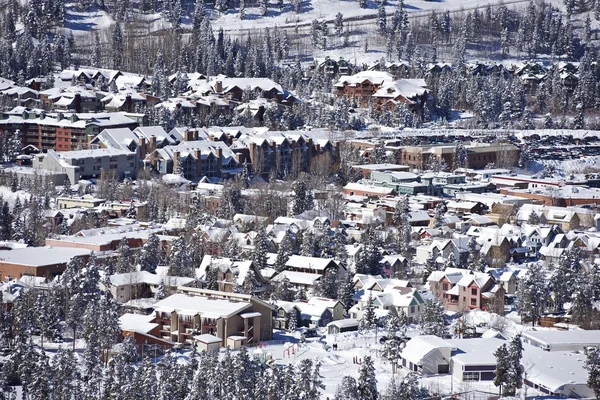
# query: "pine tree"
{"type": "Point", "coordinates": [367, 381]}
{"type": "Point", "coordinates": [338, 24]}
{"type": "Point", "coordinates": [433, 321]}
{"type": "Point", "coordinates": [328, 284]}
{"type": "Point", "coordinates": [284, 253]}
{"type": "Point", "coordinates": [393, 345]}
{"type": "Point", "coordinates": [502, 361]}
{"type": "Point", "coordinates": [117, 46]}
{"type": "Point", "coordinates": [149, 255]}
{"type": "Point", "coordinates": [346, 291]}
{"type": "Point", "coordinates": [283, 290]}
{"type": "Point", "coordinates": [514, 372]}
{"type": "Point", "coordinates": [124, 262]}
{"type": "Point", "coordinates": [181, 263]}
{"type": "Point", "coordinates": [261, 248]}
{"type": "Point", "coordinates": [369, 318]}
{"type": "Point", "coordinates": [381, 18]}
{"type": "Point", "coordinates": [303, 198]}
{"type": "Point", "coordinates": [161, 291]}
{"type": "Point", "coordinates": [592, 364]}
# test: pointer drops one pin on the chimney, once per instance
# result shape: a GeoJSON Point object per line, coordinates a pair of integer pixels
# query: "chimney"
{"type": "Point", "coordinates": [175, 161]}
{"type": "Point", "coordinates": [188, 135]}
{"type": "Point", "coordinates": [219, 160]}
{"type": "Point", "coordinates": [198, 157]}
{"type": "Point", "coordinates": [142, 148]}
{"type": "Point", "coordinates": [252, 152]}
{"type": "Point", "coordinates": [219, 86]}
{"type": "Point", "coordinates": [239, 157]}
{"type": "Point", "coordinates": [195, 134]}
{"type": "Point", "coordinates": [152, 143]}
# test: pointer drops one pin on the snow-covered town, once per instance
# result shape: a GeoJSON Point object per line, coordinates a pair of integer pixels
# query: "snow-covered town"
{"type": "Point", "coordinates": [299, 200]}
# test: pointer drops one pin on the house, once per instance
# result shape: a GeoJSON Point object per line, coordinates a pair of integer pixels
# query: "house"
{"type": "Point", "coordinates": [37, 261]}
{"type": "Point", "coordinates": [285, 312]}
{"type": "Point", "coordinates": [207, 342]}
{"type": "Point", "coordinates": [361, 189]}
{"type": "Point", "coordinates": [85, 164]}
{"type": "Point", "coordinates": [555, 341]}
{"type": "Point", "coordinates": [193, 312]}
{"type": "Point", "coordinates": [312, 265]}
{"type": "Point", "coordinates": [143, 284]}
{"type": "Point", "coordinates": [299, 280]}
{"type": "Point", "coordinates": [231, 274]}
{"type": "Point", "coordinates": [85, 201]}
{"type": "Point", "coordinates": [478, 155]}
{"type": "Point", "coordinates": [195, 160]}
{"type": "Point", "coordinates": [393, 300]}
{"type": "Point", "coordinates": [411, 92]}
{"type": "Point", "coordinates": [559, 373]}
{"type": "Point", "coordinates": [360, 87]}
{"type": "Point", "coordinates": [460, 289]}
{"type": "Point", "coordinates": [341, 326]}
{"type": "Point", "coordinates": [443, 249]}
{"type": "Point", "coordinates": [426, 355]}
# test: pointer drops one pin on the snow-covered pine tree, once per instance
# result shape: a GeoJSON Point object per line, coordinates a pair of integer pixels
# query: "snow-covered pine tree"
{"type": "Point", "coordinates": [502, 361]}
{"type": "Point", "coordinates": [515, 370]}
{"type": "Point", "coordinates": [328, 284]}
{"type": "Point", "coordinates": [338, 24]}
{"type": "Point", "coordinates": [433, 320]}
{"type": "Point", "coordinates": [592, 364]}
{"type": "Point", "coordinates": [124, 262]}
{"type": "Point", "coordinates": [369, 318]}
{"type": "Point", "coordinates": [181, 263]}
{"type": "Point", "coordinates": [261, 248]}
{"type": "Point", "coordinates": [284, 253]}
{"type": "Point", "coordinates": [149, 254]}
{"type": "Point", "coordinates": [346, 291]}
{"type": "Point", "coordinates": [367, 381]}
{"type": "Point", "coordinates": [161, 291]}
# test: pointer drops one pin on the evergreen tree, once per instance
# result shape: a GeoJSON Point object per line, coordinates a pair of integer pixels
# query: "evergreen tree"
{"type": "Point", "coordinates": [346, 291]}
{"type": "Point", "coordinates": [347, 389]}
{"type": "Point", "coordinates": [181, 263]}
{"type": "Point", "coordinates": [328, 284]}
{"type": "Point", "coordinates": [303, 198]}
{"type": "Point", "coordinates": [284, 253]}
{"type": "Point", "coordinates": [433, 321]}
{"type": "Point", "coordinates": [369, 318]}
{"type": "Point", "coordinates": [514, 372]}
{"type": "Point", "coordinates": [124, 261]}
{"type": "Point", "coordinates": [150, 254]}
{"type": "Point", "coordinates": [367, 381]}
{"type": "Point", "coordinates": [592, 364]}
{"type": "Point", "coordinates": [261, 248]}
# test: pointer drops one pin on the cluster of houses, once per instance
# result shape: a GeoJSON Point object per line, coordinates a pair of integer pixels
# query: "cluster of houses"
{"type": "Point", "coordinates": [553, 361]}
{"type": "Point", "coordinates": [213, 153]}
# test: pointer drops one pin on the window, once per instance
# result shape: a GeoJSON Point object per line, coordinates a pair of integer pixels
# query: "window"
{"type": "Point", "coordinates": [464, 298]}
{"type": "Point", "coordinates": [474, 292]}
{"type": "Point", "coordinates": [473, 302]}
{"type": "Point", "coordinates": [464, 289]}
{"type": "Point", "coordinates": [445, 286]}
{"type": "Point", "coordinates": [412, 309]}
{"type": "Point", "coordinates": [470, 376]}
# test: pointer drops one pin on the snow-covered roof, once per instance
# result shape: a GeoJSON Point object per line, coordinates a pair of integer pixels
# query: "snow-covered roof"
{"type": "Point", "coordinates": [41, 256]}
{"type": "Point", "coordinates": [375, 77]}
{"type": "Point", "coordinates": [312, 263]}
{"type": "Point", "coordinates": [205, 306]}
{"type": "Point", "coordinates": [298, 278]}
{"type": "Point", "coordinates": [555, 338]}
{"type": "Point", "coordinates": [137, 323]}
{"type": "Point", "coordinates": [207, 338]}
{"type": "Point", "coordinates": [132, 278]}
{"type": "Point", "coordinates": [419, 347]}
{"type": "Point", "coordinates": [478, 351]}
